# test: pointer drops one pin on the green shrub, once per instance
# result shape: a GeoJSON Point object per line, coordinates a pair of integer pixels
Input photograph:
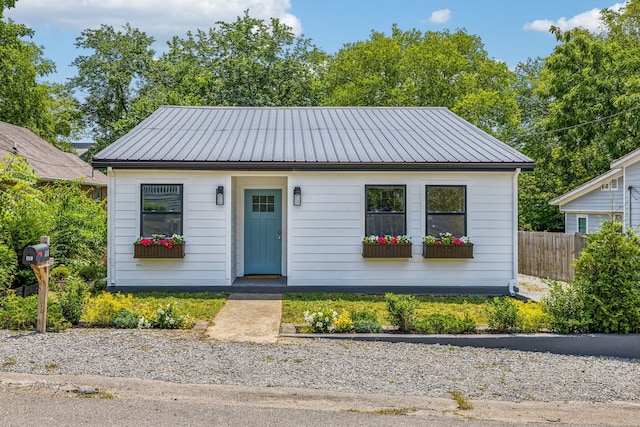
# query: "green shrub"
{"type": "Point", "coordinates": [502, 315]}
{"type": "Point", "coordinates": [445, 324]}
{"type": "Point", "coordinates": [401, 309]}
{"type": "Point", "coordinates": [103, 308]}
{"type": "Point", "coordinates": [90, 272]}
{"type": "Point", "coordinates": [22, 313]}
{"type": "Point", "coordinates": [8, 266]}
{"type": "Point", "coordinates": [607, 281]}
{"type": "Point", "coordinates": [73, 299]}
{"type": "Point", "coordinates": [365, 314]}
{"type": "Point", "coordinates": [126, 319]}
{"type": "Point", "coordinates": [367, 326]}
{"type": "Point", "coordinates": [60, 272]}
{"type": "Point", "coordinates": [564, 307]}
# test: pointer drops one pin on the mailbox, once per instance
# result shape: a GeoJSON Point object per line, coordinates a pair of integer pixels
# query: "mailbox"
{"type": "Point", "coordinates": [35, 254]}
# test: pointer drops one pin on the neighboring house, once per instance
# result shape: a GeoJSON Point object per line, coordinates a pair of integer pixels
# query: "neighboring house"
{"type": "Point", "coordinates": [50, 163]}
{"type": "Point", "coordinates": [293, 191]}
{"type": "Point", "coordinates": [614, 194]}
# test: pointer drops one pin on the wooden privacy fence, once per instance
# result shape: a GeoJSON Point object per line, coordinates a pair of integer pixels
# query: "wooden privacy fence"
{"type": "Point", "coordinates": [549, 255]}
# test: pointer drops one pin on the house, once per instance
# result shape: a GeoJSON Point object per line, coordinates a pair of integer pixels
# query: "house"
{"type": "Point", "coordinates": [612, 195]}
{"type": "Point", "coordinates": [291, 192]}
{"type": "Point", "coordinates": [50, 163]}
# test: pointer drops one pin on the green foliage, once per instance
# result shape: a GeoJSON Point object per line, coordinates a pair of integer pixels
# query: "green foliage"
{"type": "Point", "coordinates": [364, 314]}
{"type": "Point", "coordinates": [72, 299]}
{"type": "Point", "coordinates": [25, 100]}
{"type": "Point", "coordinates": [579, 110]}
{"type": "Point", "coordinates": [78, 229]}
{"type": "Point", "coordinates": [8, 265]}
{"type": "Point", "coordinates": [565, 309]}
{"type": "Point", "coordinates": [168, 317]}
{"type": "Point", "coordinates": [126, 319]}
{"type": "Point", "coordinates": [344, 323]}
{"type": "Point", "coordinates": [103, 308]}
{"type": "Point", "coordinates": [22, 313]}
{"type": "Point", "coordinates": [503, 315]}
{"type": "Point", "coordinates": [59, 272]}
{"type": "Point", "coordinates": [367, 326]}
{"type": "Point", "coordinates": [411, 68]}
{"type": "Point", "coordinates": [444, 324]}
{"type": "Point", "coordinates": [109, 75]}
{"type": "Point", "coordinates": [607, 280]}
{"type": "Point", "coordinates": [322, 321]}
{"type": "Point", "coordinates": [401, 310]}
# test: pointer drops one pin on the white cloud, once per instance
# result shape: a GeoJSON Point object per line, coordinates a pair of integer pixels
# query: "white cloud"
{"type": "Point", "coordinates": [440, 16]}
{"type": "Point", "coordinates": [589, 20]}
{"type": "Point", "coordinates": [160, 18]}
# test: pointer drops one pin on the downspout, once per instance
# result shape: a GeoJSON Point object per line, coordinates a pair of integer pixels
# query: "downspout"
{"type": "Point", "coordinates": [630, 199]}
{"type": "Point", "coordinates": [513, 283]}
{"type": "Point", "coordinates": [111, 246]}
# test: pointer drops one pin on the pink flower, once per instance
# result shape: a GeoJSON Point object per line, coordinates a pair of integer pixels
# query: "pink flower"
{"type": "Point", "coordinates": [382, 240]}
{"type": "Point", "coordinates": [394, 240]}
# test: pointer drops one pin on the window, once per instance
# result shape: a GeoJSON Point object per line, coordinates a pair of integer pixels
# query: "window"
{"type": "Point", "coordinates": [161, 209]}
{"type": "Point", "coordinates": [446, 209]}
{"type": "Point", "coordinates": [614, 184]}
{"type": "Point", "coordinates": [582, 224]}
{"type": "Point", "coordinates": [385, 211]}
{"type": "Point", "coordinates": [605, 187]}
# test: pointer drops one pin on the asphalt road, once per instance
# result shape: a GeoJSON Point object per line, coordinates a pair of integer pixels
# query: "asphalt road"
{"type": "Point", "coordinates": [53, 400]}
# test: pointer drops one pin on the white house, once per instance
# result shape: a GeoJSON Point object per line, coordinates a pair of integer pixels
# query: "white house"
{"type": "Point", "coordinates": [614, 194]}
{"type": "Point", "coordinates": [291, 192]}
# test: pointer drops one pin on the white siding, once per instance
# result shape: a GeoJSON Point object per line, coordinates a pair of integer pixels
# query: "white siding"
{"type": "Point", "coordinates": [325, 233]}
{"type": "Point", "coordinates": [598, 201]}
{"type": "Point", "coordinates": [204, 229]}
{"type": "Point", "coordinates": [322, 238]}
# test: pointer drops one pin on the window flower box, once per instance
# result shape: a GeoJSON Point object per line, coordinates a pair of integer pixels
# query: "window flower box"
{"type": "Point", "coordinates": [386, 247]}
{"type": "Point", "coordinates": [159, 246]}
{"type": "Point", "coordinates": [447, 246]}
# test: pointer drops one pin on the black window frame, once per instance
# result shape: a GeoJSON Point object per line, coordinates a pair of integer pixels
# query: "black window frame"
{"type": "Point", "coordinates": [367, 212]}
{"type": "Point", "coordinates": [143, 212]}
{"type": "Point", "coordinates": [463, 214]}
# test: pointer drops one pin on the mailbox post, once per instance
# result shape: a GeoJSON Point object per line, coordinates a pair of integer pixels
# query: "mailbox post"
{"type": "Point", "coordinates": [38, 257]}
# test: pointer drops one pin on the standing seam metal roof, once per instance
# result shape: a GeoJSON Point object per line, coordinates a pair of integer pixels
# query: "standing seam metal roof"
{"type": "Point", "coordinates": [250, 137]}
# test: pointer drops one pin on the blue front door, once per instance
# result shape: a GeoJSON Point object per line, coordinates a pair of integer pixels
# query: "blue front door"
{"type": "Point", "coordinates": [262, 231]}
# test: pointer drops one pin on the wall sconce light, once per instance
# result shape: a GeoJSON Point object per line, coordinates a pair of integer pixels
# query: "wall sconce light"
{"type": "Point", "coordinates": [297, 196]}
{"type": "Point", "coordinates": [220, 195]}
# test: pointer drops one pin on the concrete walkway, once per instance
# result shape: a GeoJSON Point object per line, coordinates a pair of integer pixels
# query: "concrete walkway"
{"type": "Point", "coordinates": [248, 317]}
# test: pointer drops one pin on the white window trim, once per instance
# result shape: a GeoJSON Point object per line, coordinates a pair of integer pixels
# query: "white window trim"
{"type": "Point", "coordinates": [614, 184]}
{"type": "Point", "coordinates": [586, 223]}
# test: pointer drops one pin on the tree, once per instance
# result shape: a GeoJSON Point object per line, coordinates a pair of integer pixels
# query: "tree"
{"type": "Point", "coordinates": [246, 62]}
{"type": "Point", "coordinates": [410, 68]}
{"type": "Point", "coordinates": [110, 76]}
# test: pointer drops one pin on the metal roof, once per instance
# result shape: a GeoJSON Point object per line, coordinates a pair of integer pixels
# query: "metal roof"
{"type": "Point", "coordinates": [50, 163]}
{"type": "Point", "coordinates": [309, 138]}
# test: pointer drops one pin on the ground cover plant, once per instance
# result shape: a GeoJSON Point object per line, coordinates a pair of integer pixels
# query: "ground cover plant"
{"type": "Point", "coordinates": [76, 306]}
{"type": "Point", "coordinates": [422, 314]}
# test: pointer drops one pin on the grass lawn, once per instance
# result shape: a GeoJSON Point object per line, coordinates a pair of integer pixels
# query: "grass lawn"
{"type": "Point", "coordinates": [294, 305]}
{"type": "Point", "coordinates": [199, 306]}
{"type": "Point", "coordinates": [202, 306]}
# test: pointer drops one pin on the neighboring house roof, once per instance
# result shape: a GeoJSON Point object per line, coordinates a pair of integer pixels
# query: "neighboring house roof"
{"type": "Point", "coordinates": [50, 163]}
{"type": "Point", "coordinates": [586, 187]}
{"type": "Point", "coordinates": [309, 138]}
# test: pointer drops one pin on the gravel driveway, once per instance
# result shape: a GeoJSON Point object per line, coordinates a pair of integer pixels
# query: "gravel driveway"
{"type": "Point", "coordinates": [361, 367]}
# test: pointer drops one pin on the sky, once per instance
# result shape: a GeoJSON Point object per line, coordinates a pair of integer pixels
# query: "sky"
{"type": "Point", "coordinates": [511, 30]}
